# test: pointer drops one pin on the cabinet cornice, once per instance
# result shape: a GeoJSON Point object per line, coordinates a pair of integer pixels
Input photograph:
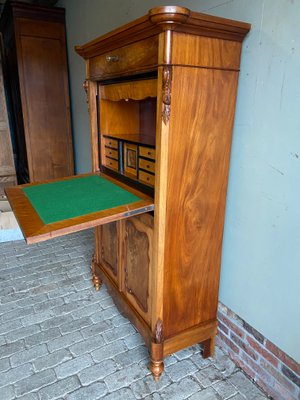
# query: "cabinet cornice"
{"type": "Point", "coordinates": [160, 19]}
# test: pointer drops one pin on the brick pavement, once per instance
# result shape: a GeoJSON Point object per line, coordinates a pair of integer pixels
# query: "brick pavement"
{"type": "Point", "coordinates": [60, 339]}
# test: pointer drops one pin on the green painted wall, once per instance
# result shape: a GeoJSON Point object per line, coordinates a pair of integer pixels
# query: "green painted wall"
{"type": "Point", "coordinates": [261, 251]}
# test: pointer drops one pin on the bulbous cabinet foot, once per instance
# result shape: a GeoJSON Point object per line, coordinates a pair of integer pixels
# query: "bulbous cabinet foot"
{"type": "Point", "coordinates": [97, 282]}
{"type": "Point", "coordinates": [157, 353]}
{"type": "Point", "coordinates": [157, 368]}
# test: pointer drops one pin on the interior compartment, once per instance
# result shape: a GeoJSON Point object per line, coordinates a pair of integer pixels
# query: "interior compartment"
{"type": "Point", "coordinates": [127, 113]}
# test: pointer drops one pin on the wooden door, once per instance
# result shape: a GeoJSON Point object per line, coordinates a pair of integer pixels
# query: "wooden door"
{"type": "Point", "coordinates": [44, 89]}
{"type": "Point", "coordinates": [107, 248]}
{"type": "Point", "coordinates": [137, 260]}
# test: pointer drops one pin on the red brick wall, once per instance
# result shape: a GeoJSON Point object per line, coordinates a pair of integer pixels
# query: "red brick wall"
{"type": "Point", "coordinates": [273, 370]}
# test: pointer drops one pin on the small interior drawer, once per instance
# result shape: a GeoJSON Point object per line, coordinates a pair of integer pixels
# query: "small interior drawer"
{"type": "Point", "coordinates": [147, 165]}
{"type": "Point", "coordinates": [147, 152]}
{"type": "Point", "coordinates": [112, 153]}
{"type": "Point", "coordinates": [146, 178]}
{"type": "Point", "coordinates": [108, 142]}
{"type": "Point", "coordinates": [113, 164]}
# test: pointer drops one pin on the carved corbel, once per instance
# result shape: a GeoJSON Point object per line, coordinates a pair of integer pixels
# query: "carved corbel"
{"type": "Point", "coordinates": [159, 332]}
{"type": "Point", "coordinates": [166, 94]}
{"type": "Point", "coordinates": [86, 89]}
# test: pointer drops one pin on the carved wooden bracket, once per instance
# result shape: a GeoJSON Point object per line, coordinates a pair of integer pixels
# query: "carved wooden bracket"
{"type": "Point", "coordinates": [159, 332]}
{"type": "Point", "coordinates": [166, 94]}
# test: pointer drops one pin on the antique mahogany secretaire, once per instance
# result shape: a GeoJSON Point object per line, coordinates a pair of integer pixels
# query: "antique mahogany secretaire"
{"type": "Point", "coordinates": [161, 94]}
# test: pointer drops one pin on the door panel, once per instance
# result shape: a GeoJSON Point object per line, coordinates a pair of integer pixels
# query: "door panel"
{"type": "Point", "coordinates": [137, 262]}
{"type": "Point", "coordinates": [108, 249]}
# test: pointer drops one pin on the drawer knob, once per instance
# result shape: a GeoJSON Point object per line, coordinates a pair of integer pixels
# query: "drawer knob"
{"type": "Point", "coordinates": [149, 153]}
{"type": "Point", "coordinates": [112, 59]}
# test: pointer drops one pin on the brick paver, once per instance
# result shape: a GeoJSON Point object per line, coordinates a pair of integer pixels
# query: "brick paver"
{"type": "Point", "coordinates": [60, 339]}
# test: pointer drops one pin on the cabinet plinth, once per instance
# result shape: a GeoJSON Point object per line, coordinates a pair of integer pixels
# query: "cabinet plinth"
{"type": "Point", "coordinates": [163, 268]}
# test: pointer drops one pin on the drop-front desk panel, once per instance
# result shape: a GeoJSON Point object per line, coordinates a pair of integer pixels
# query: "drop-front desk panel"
{"type": "Point", "coordinates": [161, 93]}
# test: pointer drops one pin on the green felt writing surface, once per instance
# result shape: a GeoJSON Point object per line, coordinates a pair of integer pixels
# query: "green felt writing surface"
{"type": "Point", "coordinates": [57, 201]}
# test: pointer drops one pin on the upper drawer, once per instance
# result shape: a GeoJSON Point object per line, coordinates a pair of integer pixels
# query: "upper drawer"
{"type": "Point", "coordinates": [136, 57]}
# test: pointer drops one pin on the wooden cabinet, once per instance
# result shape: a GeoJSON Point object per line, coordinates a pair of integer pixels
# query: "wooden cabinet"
{"type": "Point", "coordinates": [124, 251]}
{"type": "Point", "coordinates": [38, 91]}
{"type": "Point", "coordinates": [161, 93]}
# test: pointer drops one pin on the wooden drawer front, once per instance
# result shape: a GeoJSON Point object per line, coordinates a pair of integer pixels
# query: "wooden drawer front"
{"type": "Point", "coordinates": [147, 152]}
{"type": "Point", "coordinates": [112, 153]}
{"type": "Point", "coordinates": [111, 143]}
{"type": "Point", "coordinates": [146, 178]}
{"type": "Point", "coordinates": [140, 56]}
{"type": "Point", "coordinates": [147, 165]}
{"type": "Point", "coordinates": [113, 164]}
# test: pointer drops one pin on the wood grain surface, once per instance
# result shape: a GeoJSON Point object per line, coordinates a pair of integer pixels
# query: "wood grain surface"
{"type": "Point", "coordinates": [198, 161]}
{"type": "Point", "coordinates": [135, 90]}
{"type": "Point", "coordinates": [139, 56]}
{"type": "Point", "coordinates": [107, 239]}
{"type": "Point", "coordinates": [205, 52]}
{"type": "Point", "coordinates": [47, 124]}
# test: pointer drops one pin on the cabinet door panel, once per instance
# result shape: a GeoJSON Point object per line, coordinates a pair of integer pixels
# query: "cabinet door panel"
{"type": "Point", "coordinates": [108, 248]}
{"type": "Point", "coordinates": [137, 262]}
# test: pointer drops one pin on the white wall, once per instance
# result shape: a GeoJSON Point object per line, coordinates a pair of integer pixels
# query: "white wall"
{"type": "Point", "coordinates": [260, 278]}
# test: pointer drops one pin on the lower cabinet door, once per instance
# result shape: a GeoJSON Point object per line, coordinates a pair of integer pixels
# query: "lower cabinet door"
{"type": "Point", "coordinates": [137, 262]}
{"type": "Point", "coordinates": [107, 246]}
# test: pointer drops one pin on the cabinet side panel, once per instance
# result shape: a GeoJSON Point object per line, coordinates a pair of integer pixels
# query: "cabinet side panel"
{"type": "Point", "coordinates": [202, 112]}
{"type": "Point", "coordinates": [205, 52]}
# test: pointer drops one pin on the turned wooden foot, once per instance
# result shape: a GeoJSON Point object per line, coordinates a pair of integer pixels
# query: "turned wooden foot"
{"type": "Point", "coordinates": [157, 368]}
{"type": "Point", "coordinates": [95, 279]}
{"type": "Point", "coordinates": [157, 354]}
{"type": "Point", "coordinates": [208, 347]}
{"type": "Point", "coordinates": [97, 282]}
